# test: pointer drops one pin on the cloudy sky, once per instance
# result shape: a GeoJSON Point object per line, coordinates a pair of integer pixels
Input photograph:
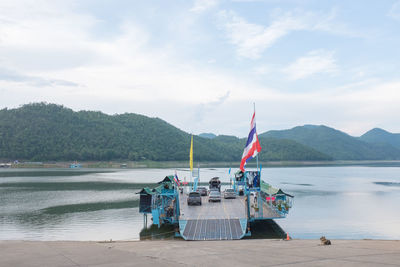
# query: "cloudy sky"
{"type": "Point", "coordinates": [201, 65]}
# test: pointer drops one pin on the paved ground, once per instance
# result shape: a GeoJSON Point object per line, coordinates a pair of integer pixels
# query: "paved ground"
{"type": "Point", "coordinates": [201, 253]}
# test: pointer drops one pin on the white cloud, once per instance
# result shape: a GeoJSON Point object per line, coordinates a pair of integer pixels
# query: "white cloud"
{"type": "Point", "coordinates": [121, 74]}
{"type": "Point", "coordinates": [42, 35]}
{"type": "Point", "coordinates": [394, 11]}
{"type": "Point", "coordinates": [205, 108]}
{"type": "Point", "coordinates": [328, 23]}
{"type": "Point", "coordinates": [353, 111]}
{"type": "Point", "coordinates": [9, 75]}
{"type": "Point", "coordinates": [253, 39]}
{"type": "Point", "coordinates": [52, 42]}
{"type": "Point", "coordinates": [203, 5]}
{"type": "Point", "coordinates": [318, 61]}
{"type": "Point", "coordinates": [56, 44]}
{"type": "Point", "coordinates": [262, 69]}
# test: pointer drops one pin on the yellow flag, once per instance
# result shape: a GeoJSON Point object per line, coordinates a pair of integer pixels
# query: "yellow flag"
{"type": "Point", "coordinates": [191, 154]}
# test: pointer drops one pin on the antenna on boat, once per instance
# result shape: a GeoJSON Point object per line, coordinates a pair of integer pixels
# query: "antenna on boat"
{"type": "Point", "coordinates": [191, 160]}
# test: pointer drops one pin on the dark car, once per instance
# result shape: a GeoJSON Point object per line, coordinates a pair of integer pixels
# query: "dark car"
{"type": "Point", "coordinates": [202, 190]}
{"type": "Point", "coordinates": [214, 195]}
{"type": "Point", "coordinates": [194, 198]}
{"type": "Point", "coordinates": [215, 183]}
{"type": "Point", "coordinates": [241, 191]}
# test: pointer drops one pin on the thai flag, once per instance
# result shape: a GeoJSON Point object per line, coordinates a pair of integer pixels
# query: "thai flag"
{"type": "Point", "coordinates": [176, 179]}
{"type": "Point", "coordinates": [252, 146]}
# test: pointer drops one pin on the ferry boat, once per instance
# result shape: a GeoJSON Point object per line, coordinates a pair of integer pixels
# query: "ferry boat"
{"type": "Point", "coordinates": [229, 219]}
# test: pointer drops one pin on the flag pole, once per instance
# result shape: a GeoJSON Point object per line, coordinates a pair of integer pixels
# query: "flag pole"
{"type": "Point", "coordinates": [191, 161]}
{"type": "Point", "coordinates": [254, 105]}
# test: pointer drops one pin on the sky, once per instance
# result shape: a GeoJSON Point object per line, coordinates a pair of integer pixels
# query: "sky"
{"type": "Point", "coordinates": [201, 65]}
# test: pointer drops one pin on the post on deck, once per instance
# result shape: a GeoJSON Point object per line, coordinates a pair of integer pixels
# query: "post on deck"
{"type": "Point", "coordinates": [145, 220]}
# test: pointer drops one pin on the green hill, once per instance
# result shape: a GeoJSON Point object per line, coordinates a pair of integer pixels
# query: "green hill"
{"type": "Point", "coordinates": [208, 135]}
{"type": "Point", "coordinates": [380, 136]}
{"type": "Point", "coordinates": [283, 149]}
{"type": "Point", "coordinates": [52, 132]}
{"type": "Point", "coordinates": [274, 149]}
{"type": "Point", "coordinates": [47, 132]}
{"type": "Point", "coordinates": [335, 143]}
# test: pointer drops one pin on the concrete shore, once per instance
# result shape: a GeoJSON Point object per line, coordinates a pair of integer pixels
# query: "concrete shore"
{"type": "Point", "coordinates": [261, 252]}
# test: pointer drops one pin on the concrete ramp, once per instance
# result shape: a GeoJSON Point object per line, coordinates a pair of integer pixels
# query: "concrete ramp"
{"type": "Point", "coordinates": [213, 229]}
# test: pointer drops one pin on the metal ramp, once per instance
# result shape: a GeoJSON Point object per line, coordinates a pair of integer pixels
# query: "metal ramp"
{"type": "Point", "coordinates": [213, 229]}
{"type": "Point", "coordinates": [225, 220]}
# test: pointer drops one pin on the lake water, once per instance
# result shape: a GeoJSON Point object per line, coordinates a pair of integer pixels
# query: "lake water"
{"type": "Point", "coordinates": [87, 204]}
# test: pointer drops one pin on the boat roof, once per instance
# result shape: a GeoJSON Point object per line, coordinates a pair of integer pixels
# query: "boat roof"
{"type": "Point", "coordinates": [267, 188]}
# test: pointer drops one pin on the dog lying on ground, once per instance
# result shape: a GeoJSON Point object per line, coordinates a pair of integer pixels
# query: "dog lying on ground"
{"type": "Point", "coordinates": [324, 241]}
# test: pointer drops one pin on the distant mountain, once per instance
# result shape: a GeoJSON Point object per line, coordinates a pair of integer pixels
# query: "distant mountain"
{"type": "Point", "coordinates": [380, 136]}
{"type": "Point", "coordinates": [274, 149]}
{"type": "Point", "coordinates": [43, 132]}
{"type": "Point", "coordinates": [336, 144]}
{"type": "Point", "coordinates": [208, 135]}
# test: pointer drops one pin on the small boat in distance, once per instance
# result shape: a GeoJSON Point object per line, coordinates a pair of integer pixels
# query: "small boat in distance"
{"type": "Point", "coordinates": [75, 165]}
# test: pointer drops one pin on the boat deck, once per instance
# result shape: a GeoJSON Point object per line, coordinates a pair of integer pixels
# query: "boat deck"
{"type": "Point", "coordinates": [213, 220]}
{"type": "Point", "coordinates": [226, 209]}
{"type": "Point", "coordinates": [219, 220]}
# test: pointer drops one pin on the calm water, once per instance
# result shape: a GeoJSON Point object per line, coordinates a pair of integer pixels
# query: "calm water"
{"type": "Point", "coordinates": [339, 202]}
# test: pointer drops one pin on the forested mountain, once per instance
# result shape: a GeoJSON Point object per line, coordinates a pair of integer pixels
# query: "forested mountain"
{"type": "Point", "coordinates": [43, 132]}
{"type": "Point", "coordinates": [380, 136]}
{"type": "Point", "coordinates": [274, 149]}
{"type": "Point", "coordinates": [51, 132]}
{"type": "Point", "coordinates": [336, 144]}
{"type": "Point", "coordinates": [208, 135]}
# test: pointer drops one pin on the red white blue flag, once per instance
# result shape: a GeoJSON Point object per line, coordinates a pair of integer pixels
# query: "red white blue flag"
{"type": "Point", "coordinates": [176, 179]}
{"type": "Point", "coordinates": [252, 146]}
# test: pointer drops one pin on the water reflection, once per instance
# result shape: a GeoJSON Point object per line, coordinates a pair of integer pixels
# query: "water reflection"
{"type": "Point", "coordinates": [387, 183]}
{"type": "Point", "coordinates": [297, 184]}
{"type": "Point", "coordinates": [86, 207]}
{"type": "Point", "coordinates": [165, 232]}
{"type": "Point", "coordinates": [62, 186]}
{"type": "Point", "coordinates": [267, 229]}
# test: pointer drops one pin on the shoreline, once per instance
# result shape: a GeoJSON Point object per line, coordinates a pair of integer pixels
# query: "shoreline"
{"type": "Point", "coordinates": [181, 240]}
{"type": "Point", "coordinates": [184, 164]}
{"type": "Point", "coordinates": [260, 252]}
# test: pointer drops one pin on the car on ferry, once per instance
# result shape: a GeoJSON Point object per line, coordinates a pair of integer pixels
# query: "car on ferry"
{"type": "Point", "coordinates": [214, 196]}
{"type": "Point", "coordinates": [215, 183]}
{"type": "Point", "coordinates": [241, 190]}
{"type": "Point", "coordinates": [194, 198]}
{"type": "Point", "coordinates": [229, 193]}
{"type": "Point", "coordinates": [202, 190]}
